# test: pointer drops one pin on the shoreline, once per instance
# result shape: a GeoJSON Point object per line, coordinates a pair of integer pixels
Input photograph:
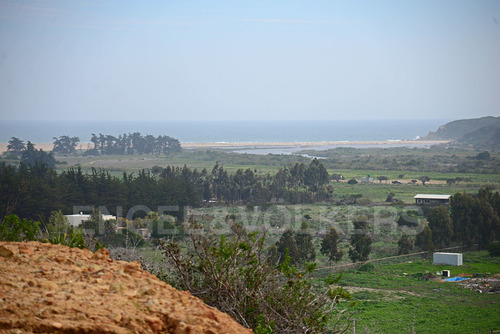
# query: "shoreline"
{"type": "Point", "coordinates": [312, 144]}
{"type": "Point", "coordinates": [374, 143]}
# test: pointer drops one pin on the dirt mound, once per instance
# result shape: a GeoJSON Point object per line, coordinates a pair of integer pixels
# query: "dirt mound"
{"type": "Point", "coordinates": [53, 288]}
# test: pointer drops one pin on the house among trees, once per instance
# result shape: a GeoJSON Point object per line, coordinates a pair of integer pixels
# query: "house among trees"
{"type": "Point", "coordinates": [77, 219]}
{"type": "Point", "coordinates": [434, 200]}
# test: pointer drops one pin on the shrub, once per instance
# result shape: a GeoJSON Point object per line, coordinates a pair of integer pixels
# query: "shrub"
{"type": "Point", "coordinates": [59, 231]}
{"type": "Point", "coordinates": [14, 229]}
{"type": "Point", "coordinates": [367, 267]}
{"type": "Point", "coordinates": [232, 273]}
{"type": "Point", "coordinates": [90, 152]}
{"type": "Point", "coordinates": [494, 249]}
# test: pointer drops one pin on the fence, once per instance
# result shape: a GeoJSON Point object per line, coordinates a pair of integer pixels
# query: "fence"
{"type": "Point", "coordinates": [387, 260]}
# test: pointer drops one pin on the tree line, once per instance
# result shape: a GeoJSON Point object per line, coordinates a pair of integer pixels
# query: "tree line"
{"type": "Point", "coordinates": [35, 191]}
{"type": "Point", "coordinates": [28, 155]}
{"type": "Point", "coordinates": [471, 220]}
{"type": "Point", "coordinates": [33, 188]}
{"type": "Point", "coordinates": [131, 143]}
{"type": "Point", "coordinates": [134, 143]}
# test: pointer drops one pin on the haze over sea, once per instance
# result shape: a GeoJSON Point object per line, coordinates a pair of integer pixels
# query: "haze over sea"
{"type": "Point", "coordinates": [226, 131]}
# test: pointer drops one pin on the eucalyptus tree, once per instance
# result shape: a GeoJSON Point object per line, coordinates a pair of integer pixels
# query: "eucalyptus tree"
{"type": "Point", "coordinates": [16, 145]}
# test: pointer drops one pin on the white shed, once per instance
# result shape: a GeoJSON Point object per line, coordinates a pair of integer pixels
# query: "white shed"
{"type": "Point", "coordinates": [454, 259]}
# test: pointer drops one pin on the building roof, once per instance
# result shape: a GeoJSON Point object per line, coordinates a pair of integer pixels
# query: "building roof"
{"type": "Point", "coordinates": [426, 196]}
{"type": "Point", "coordinates": [77, 219]}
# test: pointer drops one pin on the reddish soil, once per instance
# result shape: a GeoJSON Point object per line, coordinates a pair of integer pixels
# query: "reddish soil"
{"type": "Point", "coordinates": [55, 289]}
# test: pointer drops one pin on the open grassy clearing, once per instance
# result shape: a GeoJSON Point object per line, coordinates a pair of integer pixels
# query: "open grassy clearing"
{"type": "Point", "coordinates": [409, 175]}
{"type": "Point", "coordinates": [377, 192]}
{"type": "Point", "coordinates": [393, 298]}
{"type": "Point", "coordinates": [135, 163]}
{"type": "Point", "coordinates": [319, 217]}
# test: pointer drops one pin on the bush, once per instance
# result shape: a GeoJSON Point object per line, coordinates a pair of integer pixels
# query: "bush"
{"type": "Point", "coordinates": [14, 229]}
{"type": "Point", "coordinates": [91, 152]}
{"type": "Point", "coordinates": [233, 274]}
{"type": "Point", "coordinates": [59, 231]}
{"type": "Point", "coordinates": [121, 240]}
{"type": "Point", "coordinates": [367, 267]}
{"type": "Point", "coordinates": [352, 181]}
{"type": "Point", "coordinates": [494, 249]}
{"type": "Point", "coordinates": [406, 220]}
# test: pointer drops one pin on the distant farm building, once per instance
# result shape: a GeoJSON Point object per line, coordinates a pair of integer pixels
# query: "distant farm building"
{"type": "Point", "coordinates": [453, 259]}
{"type": "Point", "coordinates": [434, 200]}
{"type": "Point", "coordinates": [76, 220]}
{"type": "Point", "coordinates": [367, 179]}
{"type": "Point", "coordinates": [337, 177]}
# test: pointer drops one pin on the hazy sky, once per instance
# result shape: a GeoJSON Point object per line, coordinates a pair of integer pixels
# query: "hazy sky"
{"type": "Point", "coordinates": [241, 60]}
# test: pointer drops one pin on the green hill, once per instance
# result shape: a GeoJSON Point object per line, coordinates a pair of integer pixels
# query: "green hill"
{"type": "Point", "coordinates": [480, 132]}
{"type": "Point", "coordinates": [488, 136]}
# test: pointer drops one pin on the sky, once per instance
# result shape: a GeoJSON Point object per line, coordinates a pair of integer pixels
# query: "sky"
{"type": "Point", "coordinates": [249, 60]}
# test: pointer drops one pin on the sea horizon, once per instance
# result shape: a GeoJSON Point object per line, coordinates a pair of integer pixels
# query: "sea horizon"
{"type": "Point", "coordinates": [227, 131]}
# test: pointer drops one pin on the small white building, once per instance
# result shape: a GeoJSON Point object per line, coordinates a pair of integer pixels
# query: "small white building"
{"type": "Point", "coordinates": [425, 199]}
{"type": "Point", "coordinates": [453, 259]}
{"type": "Point", "coordinates": [76, 220]}
{"type": "Point", "coordinates": [367, 179]}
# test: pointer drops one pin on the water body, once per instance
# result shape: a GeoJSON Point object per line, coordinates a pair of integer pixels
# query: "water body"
{"type": "Point", "coordinates": [226, 131]}
{"type": "Point", "coordinates": [296, 149]}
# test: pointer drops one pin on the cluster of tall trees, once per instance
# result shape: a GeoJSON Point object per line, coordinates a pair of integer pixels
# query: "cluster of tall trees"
{"type": "Point", "coordinates": [134, 143]}
{"type": "Point", "coordinates": [34, 188]}
{"type": "Point", "coordinates": [469, 220]}
{"type": "Point", "coordinates": [295, 184]}
{"type": "Point", "coordinates": [35, 191]}
{"type": "Point", "coordinates": [31, 156]}
{"type": "Point", "coordinates": [28, 154]}
{"type": "Point", "coordinates": [65, 144]}
{"type": "Point", "coordinates": [298, 246]}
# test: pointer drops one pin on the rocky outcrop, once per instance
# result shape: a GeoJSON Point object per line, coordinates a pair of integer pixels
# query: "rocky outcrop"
{"type": "Point", "coordinates": [53, 288]}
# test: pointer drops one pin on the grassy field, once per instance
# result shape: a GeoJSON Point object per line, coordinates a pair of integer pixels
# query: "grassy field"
{"type": "Point", "coordinates": [371, 193]}
{"type": "Point", "coordinates": [123, 163]}
{"type": "Point", "coordinates": [394, 298]}
{"type": "Point", "coordinates": [409, 175]}
{"type": "Point", "coordinates": [377, 192]}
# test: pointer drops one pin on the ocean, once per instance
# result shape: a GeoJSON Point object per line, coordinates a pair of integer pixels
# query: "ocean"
{"type": "Point", "coordinates": [226, 131]}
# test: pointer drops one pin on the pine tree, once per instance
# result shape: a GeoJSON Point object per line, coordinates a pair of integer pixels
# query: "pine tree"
{"type": "Point", "coordinates": [288, 243]}
{"type": "Point", "coordinates": [361, 242]}
{"type": "Point", "coordinates": [424, 239]}
{"type": "Point", "coordinates": [405, 244]}
{"type": "Point", "coordinates": [440, 224]}
{"type": "Point", "coordinates": [305, 245]}
{"type": "Point", "coordinates": [329, 245]}
{"type": "Point", "coordinates": [461, 217]}
{"type": "Point", "coordinates": [487, 222]}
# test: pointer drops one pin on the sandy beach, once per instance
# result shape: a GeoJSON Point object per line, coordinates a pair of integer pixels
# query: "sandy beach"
{"type": "Point", "coordinates": [314, 144]}
{"type": "Point", "coordinates": [381, 143]}
{"type": "Point", "coordinates": [43, 146]}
